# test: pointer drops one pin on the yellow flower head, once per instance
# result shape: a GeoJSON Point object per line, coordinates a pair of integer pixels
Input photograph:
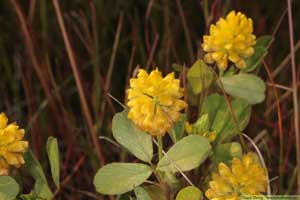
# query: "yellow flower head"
{"type": "Point", "coordinates": [154, 101]}
{"type": "Point", "coordinates": [245, 177]}
{"type": "Point", "coordinates": [230, 39]}
{"type": "Point", "coordinates": [11, 145]}
{"type": "Point", "coordinates": [191, 129]}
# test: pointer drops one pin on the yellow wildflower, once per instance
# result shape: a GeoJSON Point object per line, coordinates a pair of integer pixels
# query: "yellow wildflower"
{"type": "Point", "coordinates": [191, 129]}
{"type": "Point", "coordinates": [211, 136]}
{"type": "Point", "coordinates": [230, 39]}
{"type": "Point", "coordinates": [188, 128]}
{"type": "Point", "coordinates": [245, 177]}
{"type": "Point", "coordinates": [11, 145]}
{"type": "Point", "coordinates": [154, 101]}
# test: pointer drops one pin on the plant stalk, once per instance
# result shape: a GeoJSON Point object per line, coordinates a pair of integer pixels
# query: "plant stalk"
{"type": "Point", "coordinates": [160, 147]}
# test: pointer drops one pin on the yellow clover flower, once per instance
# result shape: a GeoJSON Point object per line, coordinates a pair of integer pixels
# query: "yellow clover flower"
{"type": "Point", "coordinates": [154, 101]}
{"type": "Point", "coordinates": [190, 129]}
{"type": "Point", "coordinates": [11, 145]}
{"type": "Point", "coordinates": [230, 39]}
{"type": "Point", "coordinates": [245, 177]}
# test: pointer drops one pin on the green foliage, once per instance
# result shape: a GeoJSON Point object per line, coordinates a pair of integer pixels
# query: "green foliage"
{"type": "Point", "coordinates": [202, 125]}
{"type": "Point", "coordinates": [186, 154]}
{"type": "Point", "coordinates": [127, 134]}
{"type": "Point", "coordinates": [248, 87]}
{"type": "Point", "coordinates": [9, 188]}
{"type": "Point", "coordinates": [178, 129]}
{"type": "Point", "coordinates": [118, 178]}
{"type": "Point", "coordinates": [171, 179]}
{"type": "Point", "coordinates": [264, 41]}
{"type": "Point", "coordinates": [41, 187]}
{"type": "Point", "coordinates": [141, 194]}
{"type": "Point", "coordinates": [53, 155]}
{"type": "Point", "coordinates": [189, 193]}
{"type": "Point", "coordinates": [231, 71]}
{"type": "Point", "coordinates": [42, 190]}
{"type": "Point", "coordinates": [226, 152]}
{"type": "Point", "coordinates": [199, 76]}
{"type": "Point", "coordinates": [254, 61]}
{"type": "Point", "coordinates": [29, 197]}
{"type": "Point", "coordinates": [155, 192]}
{"type": "Point", "coordinates": [221, 119]}
{"type": "Point", "coordinates": [211, 105]}
{"type": "Point", "coordinates": [260, 51]}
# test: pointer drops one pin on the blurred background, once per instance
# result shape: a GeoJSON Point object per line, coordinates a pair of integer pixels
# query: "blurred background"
{"type": "Point", "coordinates": [60, 66]}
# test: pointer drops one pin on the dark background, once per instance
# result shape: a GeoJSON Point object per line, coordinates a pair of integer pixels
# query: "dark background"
{"type": "Point", "coordinates": [39, 91]}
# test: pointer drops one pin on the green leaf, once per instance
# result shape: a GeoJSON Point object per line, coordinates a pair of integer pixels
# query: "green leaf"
{"type": "Point", "coordinates": [9, 188]}
{"type": "Point", "coordinates": [189, 193]}
{"type": "Point", "coordinates": [42, 190]}
{"type": "Point", "coordinates": [29, 197]}
{"type": "Point", "coordinates": [33, 166]}
{"type": "Point", "coordinates": [264, 40]}
{"type": "Point", "coordinates": [211, 106]}
{"type": "Point", "coordinates": [41, 187]}
{"type": "Point", "coordinates": [171, 180]}
{"type": "Point", "coordinates": [178, 129]}
{"type": "Point", "coordinates": [155, 192]}
{"type": "Point", "coordinates": [231, 71]}
{"type": "Point", "coordinates": [127, 134]}
{"type": "Point", "coordinates": [199, 76]}
{"type": "Point", "coordinates": [192, 98]}
{"type": "Point", "coordinates": [118, 178]}
{"type": "Point", "coordinates": [226, 152]}
{"type": "Point", "coordinates": [125, 197]}
{"type": "Point", "coordinates": [202, 125]}
{"type": "Point", "coordinates": [186, 154]}
{"type": "Point", "coordinates": [221, 118]}
{"type": "Point", "coordinates": [260, 51]}
{"type": "Point", "coordinates": [229, 129]}
{"type": "Point", "coordinates": [141, 194]}
{"type": "Point", "coordinates": [248, 87]}
{"type": "Point", "coordinates": [253, 62]}
{"type": "Point", "coordinates": [53, 155]}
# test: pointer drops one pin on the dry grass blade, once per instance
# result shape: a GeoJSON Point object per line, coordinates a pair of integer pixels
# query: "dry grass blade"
{"type": "Point", "coordinates": [285, 61]}
{"type": "Point", "coordinates": [279, 86]}
{"type": "Point", "coordinates": [111, 65]}
{"type": "Point", "coordinates": [151, 55]}
{"type": "Point", "coordinates": [295, 92]}
{"type": "Point", "coordinates": [83, 101]}
{"type": "Point", "coordinates": [279, 114]}
{"type": "Point", "coordinates": [40, 67]}
{"type": "Point", "coordinates": [236, 124]}
{"type": "Point", "coordinates": [186, 31]}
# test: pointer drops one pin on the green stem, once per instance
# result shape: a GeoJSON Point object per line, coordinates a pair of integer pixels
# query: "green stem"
{"type": "Point", "coordinates": [162, 184]}
{"type": "Point", "coordinates": [221, 73]}
{"type": "Point", "coordinates": [206, 12]}
{"type": "Point", "coordinates": [160, 147]}
{"type": "Point", "coordinates": [292, 182]}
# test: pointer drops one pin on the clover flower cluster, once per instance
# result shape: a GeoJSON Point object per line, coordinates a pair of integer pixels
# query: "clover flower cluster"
{"type": "Point", "coordinates": [12, 147]}
{"type": "Point", "coordinates": [154, 101]}
{"type": "Point", "coordinates": [230, 39]}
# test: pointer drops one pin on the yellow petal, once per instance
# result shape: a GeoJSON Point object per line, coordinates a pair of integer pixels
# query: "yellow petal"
{"type": "Point", "coordinates": [154, 101]}
{"type": "Point", "coordinates": [231, 36]}
{"type": "Point", "coordinates": [224, 169]}
{"type": "Point", "coordinates": [18, 147]}
{"type": "Point", "coordinates": [241, 64]}
{"type": "Point", "coordinates": [208, 58]}
{"type": "Point", "coordinates": [3, 121]}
